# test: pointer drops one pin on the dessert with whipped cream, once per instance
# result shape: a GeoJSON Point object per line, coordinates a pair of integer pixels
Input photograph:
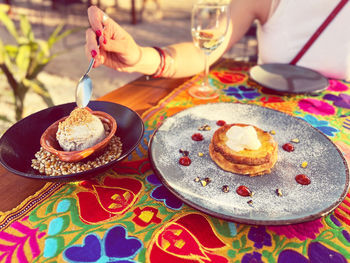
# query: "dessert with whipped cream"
{"type": "Point", "coordinates": [243, 149]}
{"type": "Point", "coordinates": [80, 130]}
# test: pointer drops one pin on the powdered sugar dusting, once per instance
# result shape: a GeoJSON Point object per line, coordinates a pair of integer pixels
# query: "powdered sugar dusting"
{"type": "Point", "coordinates": [326, 167]}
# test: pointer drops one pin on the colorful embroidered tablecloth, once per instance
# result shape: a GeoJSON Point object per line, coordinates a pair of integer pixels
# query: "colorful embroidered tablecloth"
{"type": "Point", "coordinates": [127, 215]}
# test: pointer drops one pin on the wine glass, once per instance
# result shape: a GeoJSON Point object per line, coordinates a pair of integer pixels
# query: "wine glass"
{"type": "Point", "coordinates": [209, 23]}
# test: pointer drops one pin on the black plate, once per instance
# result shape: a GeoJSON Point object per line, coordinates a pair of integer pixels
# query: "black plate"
{"type": "Point", "coordinates": [287, 78]}
{"type": "Point", "coordinates": [21, 141]}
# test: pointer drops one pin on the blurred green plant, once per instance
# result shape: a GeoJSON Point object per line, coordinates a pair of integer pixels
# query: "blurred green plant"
{"type": "Point", "coordinates": [23, 61]}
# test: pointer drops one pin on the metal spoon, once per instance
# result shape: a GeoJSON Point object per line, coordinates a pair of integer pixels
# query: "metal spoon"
{"type": "Point", "coordinates": [83, 91]}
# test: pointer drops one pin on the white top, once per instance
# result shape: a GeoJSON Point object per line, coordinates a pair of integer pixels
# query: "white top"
{"type": "Point", "coordinates": [296, 21]}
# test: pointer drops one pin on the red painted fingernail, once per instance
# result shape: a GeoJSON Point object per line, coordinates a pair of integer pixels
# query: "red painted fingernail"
{"type": "Point", "coordinates": [98, 33]}
{"type": "Point", "coordinates": [104, 41]}
{"type": "Point", "coordinates": [93, 53]}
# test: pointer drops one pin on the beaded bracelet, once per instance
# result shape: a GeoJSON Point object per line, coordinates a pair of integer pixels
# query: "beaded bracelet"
{"type": "Point", "coordinates": [161, 66]}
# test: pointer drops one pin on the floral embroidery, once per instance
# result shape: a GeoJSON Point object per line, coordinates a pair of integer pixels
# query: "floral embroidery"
{"type": "Point", "coordinates": [23, 238]}
{"type": "Point", "coordinates": [133, 167]}
{"type": "Point", "coordinates": [335, 220]}
{"type": "Point", "coordinates": [317, 252]}
{"type": "Point", "coordinates": [301, 231]}
{"type": "Point", "coordinates": [229, 77]}
{"type": "Point", "coordinates": [271, 99]}
{"type": "Point", "coordinates": [290, 256]}
{"type": "Point", "coordinates": [145, 216]}
{"type": "Point", "coordinates": [346, 235]}
{"type": "Point", "coordinates": [317, 107]}
{"type": "Point", "coordinates": [252, 257]}
{"type": "Point", "coordinates": [342, 211]}
{"type": "Point", "coordinates": [242, 92]}
{"type": "Point", "coordinates": [190, 238]}
{"type": "Point", "coordinates": [141, 150]}
{"type": "Point", "coordinates": [270, 91]}
{"type": "Point", "coordinates": [162, 194]}
{"type": "Point", "coordinates": [345, 149]}
{"type": "Point", "coordinates": [108, 200]}
{"type": "Point", "coordinates": [346, 122]}
{"type": "Point", "coordinates": [336, 86]}
{"type": "Point", "coordinates": [343, 100]}
{"type": "Point", "coordinates": [116, 246]}
{"type": "Point", "coordinates": [74, 222]}
{"type": "Point", "coordinates": [321, 125]}
{"type": "Point", "coordinates": [259, 236]}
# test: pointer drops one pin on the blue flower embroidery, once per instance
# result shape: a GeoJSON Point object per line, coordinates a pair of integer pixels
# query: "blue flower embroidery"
{"type": "Point", "coordinates": [321, 125]}
{"type": "Point", "coordinates": [241, 92]}
{"type": "Point", "coordinates": [142, 145]}
{"type": "Point", "coordinates": [115, 246]}
{"type": "Point", "coordinates": [162, 194]}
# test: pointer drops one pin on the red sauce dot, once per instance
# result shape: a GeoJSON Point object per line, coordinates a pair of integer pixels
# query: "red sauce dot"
{"type": "Point", "coordinates": [185, 161]}
{"type": "Point", "coordinates": [302, 179]}
{"type": "Point", "coordinates": [242, 190]}
{"type": "Point", "coordinates": [197, 137]}
{"type": "Point", "coordinates": [288, 147]}
{"type": "Point", "coordinates": [220, 123]}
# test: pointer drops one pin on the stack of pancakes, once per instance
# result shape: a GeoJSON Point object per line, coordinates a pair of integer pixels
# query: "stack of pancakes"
{"type": "Point", "coordinates": [246, 161]}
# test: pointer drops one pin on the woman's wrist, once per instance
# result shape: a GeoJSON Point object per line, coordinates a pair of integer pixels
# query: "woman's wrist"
{"type": "Point", "coordinates": [149, 61]}
{"type": "Point", "coordinates": [161, 67]}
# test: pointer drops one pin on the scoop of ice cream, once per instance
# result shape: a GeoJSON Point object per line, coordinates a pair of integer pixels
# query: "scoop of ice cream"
{"type": "Point", "coordinates": [240, 138]}
{"type": "Point", "coordinates": [80, 130]}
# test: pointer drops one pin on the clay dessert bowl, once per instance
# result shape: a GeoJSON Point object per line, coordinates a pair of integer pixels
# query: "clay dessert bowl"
{"type": "Point", "coordinates": [49, 142]}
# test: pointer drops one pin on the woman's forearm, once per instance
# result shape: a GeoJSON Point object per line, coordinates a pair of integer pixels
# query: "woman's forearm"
{"type": "Point", "coordinates": [185, 60]}
{"type": "Point", "coordinates": [188, 60]}
{"type": "Point", "coordinates": [119, 51]}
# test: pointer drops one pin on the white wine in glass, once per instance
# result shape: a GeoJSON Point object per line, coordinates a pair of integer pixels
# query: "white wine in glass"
{"type": "Point", "coordinates": [209, 25]}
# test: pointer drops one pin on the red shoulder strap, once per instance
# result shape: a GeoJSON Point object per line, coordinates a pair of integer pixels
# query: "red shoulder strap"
{"type": "Point", "coordinates": [318, 32]}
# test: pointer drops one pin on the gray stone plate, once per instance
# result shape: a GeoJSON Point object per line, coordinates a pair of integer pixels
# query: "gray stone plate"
{"type": "Point", "coordinates": [287, 78]}
{"type": "Point", "coordinates": [326, 168]}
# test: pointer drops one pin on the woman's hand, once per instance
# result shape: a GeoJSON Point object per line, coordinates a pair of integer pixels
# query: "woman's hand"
{"type": "Point", "coordinates": [118, 49]}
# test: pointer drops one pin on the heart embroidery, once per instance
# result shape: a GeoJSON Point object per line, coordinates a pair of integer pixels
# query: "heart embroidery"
{"type": "Point", "coordinates": [119, 245]}
{"type": "Point", "coordinates": [89, 252]}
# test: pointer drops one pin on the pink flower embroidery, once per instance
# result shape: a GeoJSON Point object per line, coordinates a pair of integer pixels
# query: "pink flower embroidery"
{"type": "Point", "coordinates": [20, 242]}
{"type": "Point", "coordinates": [301, 231]}
{"type": "Point", "coordinates": [317, 107]}
{"type": "Point", "coordinates": [336, 86]}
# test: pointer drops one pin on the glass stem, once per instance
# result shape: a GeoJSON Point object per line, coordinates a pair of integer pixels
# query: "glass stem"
{"type": "Point", "coordinates": [206, 70]}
